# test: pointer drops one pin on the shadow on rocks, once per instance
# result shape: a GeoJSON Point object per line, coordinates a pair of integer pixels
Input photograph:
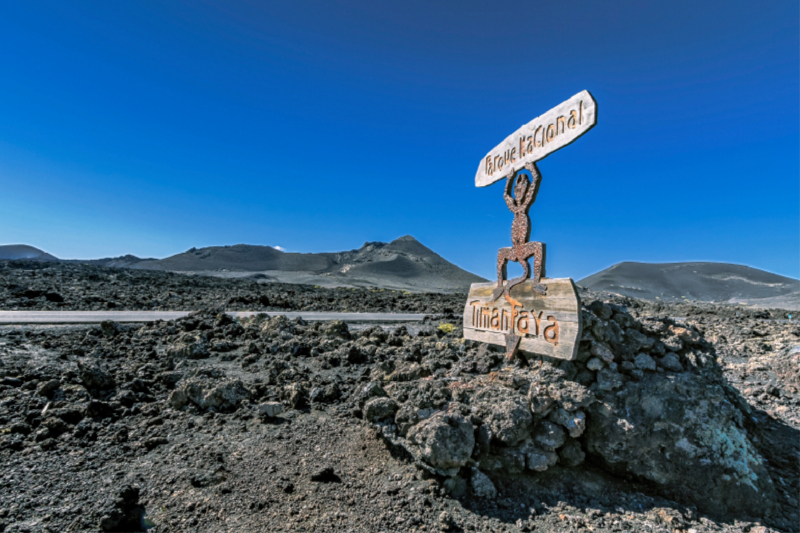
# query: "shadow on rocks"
{"type": "Point", "coordinates": [643, 414]}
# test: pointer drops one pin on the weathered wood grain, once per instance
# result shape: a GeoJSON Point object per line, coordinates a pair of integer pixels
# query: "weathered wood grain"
{"type": "Point", "coordinates": [549, 325]}
{"type": "Point", "coordinates": [539, 138]}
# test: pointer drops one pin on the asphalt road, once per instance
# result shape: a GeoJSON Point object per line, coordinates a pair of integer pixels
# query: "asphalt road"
{"type": "Point", "coordinates": [95, 317]}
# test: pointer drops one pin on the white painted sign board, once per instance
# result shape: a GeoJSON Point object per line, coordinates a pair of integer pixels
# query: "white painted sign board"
{"type": "Point", "coordinates": [538, 138]}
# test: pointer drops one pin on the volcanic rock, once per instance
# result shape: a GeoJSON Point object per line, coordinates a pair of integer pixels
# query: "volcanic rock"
{"type": "Point", "coordinates": [571, 454]}
{"type": "Point", "coordinates": [482, 486]}
{"type": "Point", "coordinates": [445, 441]}
{"type": "Point", "coordinates": [189, 347]}
{"type": "Point", "coordinates": [270, 409]}
{"type": "Point", "coordinates": [94, 376]}
{"type": "Point", "coordinates": [222, 396]}
{"type": "Point", "coordinates": [684, 435]}
{"type": "Point", "coordinates": [549, 436]}
{"type": "Point", "coordinates": [505, 413]}
{"type": "Point", "coordinates": [378, 409]}
{"type": "Point", "coordinates": [660, 450]}
{"type": "Point", "coordinates": [671, 362]}
{"type": "Point", "coordinates": [123, 512]}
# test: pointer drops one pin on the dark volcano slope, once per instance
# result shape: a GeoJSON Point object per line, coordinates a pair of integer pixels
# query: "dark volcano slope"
{"type": "Point", "coordinates": [240, 257]}
{"type": "Point", "coordinates": [710, 282]}
{"type": "Point", "coordinates": [12, 252]}
{"type": "Point", "coordinates": [24, 252]}
{"type": "Point", "coordinates": [402, 263]}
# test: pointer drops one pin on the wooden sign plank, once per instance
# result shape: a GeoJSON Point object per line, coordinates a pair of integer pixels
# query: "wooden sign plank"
{"type": "Point", "coordinates": [549, 325]}
{"type": "Point", "coordinates": [539, 138]}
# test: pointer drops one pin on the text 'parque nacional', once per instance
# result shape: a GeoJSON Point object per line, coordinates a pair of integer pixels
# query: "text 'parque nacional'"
{"type": "Point", "coordinates": [538, 138]}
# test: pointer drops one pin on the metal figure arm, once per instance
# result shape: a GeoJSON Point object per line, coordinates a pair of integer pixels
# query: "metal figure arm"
{"type": "Point", "coordinates": [533, 189]}
{"type": "Point", "coordinates": [510, 201]}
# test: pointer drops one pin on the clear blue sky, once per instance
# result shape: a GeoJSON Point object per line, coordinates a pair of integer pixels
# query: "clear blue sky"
{"type": "Point", "coordinates": [150, 127]}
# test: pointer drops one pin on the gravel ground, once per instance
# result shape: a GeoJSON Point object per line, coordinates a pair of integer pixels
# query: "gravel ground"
{"type": "Point", "coordinates": [207, 424]}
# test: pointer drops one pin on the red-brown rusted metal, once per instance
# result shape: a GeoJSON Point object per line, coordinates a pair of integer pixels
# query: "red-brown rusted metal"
{"type": "Point", "coordinates": [512, 345]}
{"type": "Point", "coordinates": [521, 249]}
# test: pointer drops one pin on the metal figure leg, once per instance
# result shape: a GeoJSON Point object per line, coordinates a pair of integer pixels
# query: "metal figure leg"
{"type": "Point", "coordinates": [503, 257]}
{"type": "Point", "coordinates": [526, 251]}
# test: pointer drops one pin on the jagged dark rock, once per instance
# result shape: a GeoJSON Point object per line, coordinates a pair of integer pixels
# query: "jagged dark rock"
{"type": "Point", "coordinates": [660, 424]}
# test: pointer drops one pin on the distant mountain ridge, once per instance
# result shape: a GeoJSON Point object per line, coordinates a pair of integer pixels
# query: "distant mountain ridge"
{"type": "Point", "coordinates": [11, 252]}
{"type": "Point", "coordinates": [123, 261]}
{"type": "Point", "coordinates": [710, 282]}
{"type": "Point", "coordinates": [406, 264]}
{"type": "Point", "coordinates": [403, 263]}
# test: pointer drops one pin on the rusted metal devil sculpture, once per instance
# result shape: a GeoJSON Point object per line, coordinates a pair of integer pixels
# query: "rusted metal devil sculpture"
{"type": "Point", "coordinates": [521, 248]}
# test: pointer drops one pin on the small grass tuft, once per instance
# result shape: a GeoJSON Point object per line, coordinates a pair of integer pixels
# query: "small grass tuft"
{"type": "Point", "coordinates": [446, 327]}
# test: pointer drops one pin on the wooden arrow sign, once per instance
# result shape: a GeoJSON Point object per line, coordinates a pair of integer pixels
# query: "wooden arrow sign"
{"type": "Point", "coordinates": [539, 138]}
